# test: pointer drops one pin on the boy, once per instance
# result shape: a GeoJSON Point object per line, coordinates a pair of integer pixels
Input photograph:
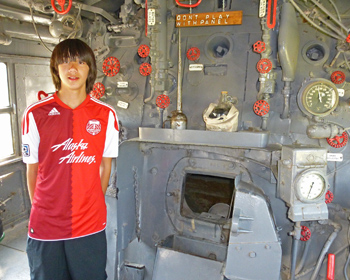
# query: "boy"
{"type": "Point", "coordinates": [69, 140]}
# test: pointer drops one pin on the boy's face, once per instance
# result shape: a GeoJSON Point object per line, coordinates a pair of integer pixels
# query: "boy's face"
{"type": "Point", "coordinates": [73, 75]}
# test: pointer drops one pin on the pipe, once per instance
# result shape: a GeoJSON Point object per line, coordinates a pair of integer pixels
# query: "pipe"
{"type": "Point", "coordinates": [327, 245]}
{"type": "Point", "coordinates": [25, 30]}
{"type": "Point", "coordinates": [286, 104]}
{"type": "Point", "coordinates": [301, 264]}
{"type": "Point", "coordinates": [23, 15]}
{"type": "Point", "coordinates": [296, 239]}
{"type": "Point", "coordinates": [330, 15]}
{"type": "Point", "coordinates": [346, 266]}
{"type": "Point", "coordinates": [314, 24]}
{"type": "Point", "coordinates": [179, 78]}
{"type": "Point", "coordinates": [5, 39]}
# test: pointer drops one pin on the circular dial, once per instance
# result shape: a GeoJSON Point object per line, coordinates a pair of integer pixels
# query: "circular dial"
{"type": "Point", "coordinates": [318, 98]}
{"type": "Point", "coordinates": [310, 186]}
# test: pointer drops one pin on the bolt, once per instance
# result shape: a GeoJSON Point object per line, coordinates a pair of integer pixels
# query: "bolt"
{"type": "Point", "coordinates": [252, 254]}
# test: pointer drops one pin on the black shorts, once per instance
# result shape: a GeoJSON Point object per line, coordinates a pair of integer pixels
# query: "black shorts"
{"type": "Point", "coordinates": [76, 259]}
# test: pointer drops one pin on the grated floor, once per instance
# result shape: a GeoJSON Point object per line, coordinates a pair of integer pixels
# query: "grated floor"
{"type": "Point", "coordinates": [13, 257]}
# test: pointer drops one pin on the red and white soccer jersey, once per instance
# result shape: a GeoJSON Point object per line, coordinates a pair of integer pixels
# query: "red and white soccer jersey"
{"type": "Point", "coordinates": [69, 145]}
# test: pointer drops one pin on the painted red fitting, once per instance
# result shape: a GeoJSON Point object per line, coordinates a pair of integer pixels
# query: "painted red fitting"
{"type": "Point", "coordinates": [330, 267]}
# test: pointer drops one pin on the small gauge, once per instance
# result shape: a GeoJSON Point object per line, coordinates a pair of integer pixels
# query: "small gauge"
{"type": "Point", "coordinates": [310, 186]}
{"type": "Point", "coordinates": [318, 97]}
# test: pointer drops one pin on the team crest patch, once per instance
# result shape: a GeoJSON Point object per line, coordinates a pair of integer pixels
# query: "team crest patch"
{"type": "Point", "coordinates": [25, 150]}
{"type": "Point", "coordinates": [93, 127]}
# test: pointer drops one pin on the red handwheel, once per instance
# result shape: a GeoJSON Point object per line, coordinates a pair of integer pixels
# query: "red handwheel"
{"type": "Point", "coordinates": [259, 47]}
{"type": "Point", "coordinates": [261, 107]}
{"type": "Point", "coordinates": [111, 66]}
{"type": "Point", "coordinates": [145, 69]}
{"type": "Point", "coordinates": [143, 51]}
{"type": "Point", "coordinates": [163, 101]}
{"type": "Point", "coordinates": [193, 53]}
{"type": "Point", "coordinates": [338, 77]}
{"type": "Point", "coordinates": [61, 3]}
{"type": "Point", "coordinates": [338, 141]}
{"type": "Point", "coordinates": [329, 197]}
{"type": "Point", "coordinates": [305, 233]}
{"type": "Point", "coordinates": [264, 65]}
{"type": "Point", "coordinates": [98, 90]}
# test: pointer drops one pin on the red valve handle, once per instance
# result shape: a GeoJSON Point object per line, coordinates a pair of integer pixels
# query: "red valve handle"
{"type": "Point", "coordinates": [193, 53]}
{"type": "Point", "coordinates": [305, 233]}
{"type": "Point", "coordinates": [261, 107]}
{"type": "Point", "coordinates": [145, 69]}
{"type": "Point", "coordinates": [42, 95]}
{"type": "Point", "coordinates": [259, 47]}
{"type": "Point", "coordinates": [143, 51]}
{"type": "Point", "coordinates": [329, 197]}
{"type": "Point", "coordinates": [61, 3]}
{"type": "Point", "coordinates": [98, 90]}
{"type": "Point", "coordinates": [111, 66]}
{"type": "Point", "coordinates": [338, 141]}
{"type": "Point", "coordinates": [264, 65]}
{"type": "Point", "coordinates": [188, 5]}
{"type": "Point", "coordinates": [163, 101]}
{"type": "Point", "coordinates": [338, 77]}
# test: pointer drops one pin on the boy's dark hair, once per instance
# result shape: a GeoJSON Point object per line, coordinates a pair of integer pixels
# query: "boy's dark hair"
{"type": "Point", "coordinates": [73, 49]}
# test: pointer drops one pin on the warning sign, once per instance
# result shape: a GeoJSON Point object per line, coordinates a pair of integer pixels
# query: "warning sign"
{"type": "Point", "coordinates": [209, 19]}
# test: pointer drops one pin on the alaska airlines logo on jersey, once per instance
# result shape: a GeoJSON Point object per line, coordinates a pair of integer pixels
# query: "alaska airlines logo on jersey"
{"type": "Point", "coordinates": [93, 127]}
{"type": "Point", "coordinates": [69, 145]}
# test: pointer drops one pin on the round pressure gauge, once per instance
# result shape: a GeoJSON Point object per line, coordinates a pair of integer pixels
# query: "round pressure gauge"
{"type": "Point", "coordinates": [310, 186]}
{"type": "Point", "coordinates": [318, 97]}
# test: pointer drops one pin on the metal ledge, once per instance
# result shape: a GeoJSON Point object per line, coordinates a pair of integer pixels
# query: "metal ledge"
{"type": "Point", "coordinates": [217, 138]}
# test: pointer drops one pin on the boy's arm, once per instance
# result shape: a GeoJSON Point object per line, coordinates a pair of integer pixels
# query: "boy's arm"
{"type": "Point", "coordinates": [105, 172]}
{"type": "Point", "coordinates": [32, 173]}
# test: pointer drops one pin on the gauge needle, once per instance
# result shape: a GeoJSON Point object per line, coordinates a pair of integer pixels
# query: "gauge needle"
{"type": "Point", "coordinates": [319, 95]}
{"type": "Point", "coordinates": [310, 189]}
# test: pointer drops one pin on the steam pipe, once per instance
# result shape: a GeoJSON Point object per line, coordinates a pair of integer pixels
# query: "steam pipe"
{"type": "Point", "coordinates": [330, 15]}
{"type": "Point", "coordinates": [5, 39]}
{"type": "Point", "coordinates": [22, 15]}
{"type": "Point", "coordinates": [303, 258]}
{"type": "Point", "coordinates": [327, 245]}
{"type": "Point", "coordinates": [286, 104]}
{"type": "Point", "coordinates": [296, 239]}
{"type": "Point", "coordinates": [179, 78]}
{"type": "Point", "coordinates": [25, 30]}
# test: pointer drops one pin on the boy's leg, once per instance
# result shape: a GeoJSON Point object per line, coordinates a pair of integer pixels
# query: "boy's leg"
{"type": "Point", "coordinates": [87, 257]}
{"type": "Point", "coordinates": [47, 260]}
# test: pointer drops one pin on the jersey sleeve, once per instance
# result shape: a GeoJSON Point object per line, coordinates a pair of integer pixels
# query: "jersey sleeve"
{"type": "Point", "coordinates": [112, 136]}
{"type": "Point", "coordinates": [30, 139]}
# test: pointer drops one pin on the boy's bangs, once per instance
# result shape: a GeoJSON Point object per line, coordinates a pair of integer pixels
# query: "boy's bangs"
{"type": "Point", "coordinates": [72, 53]}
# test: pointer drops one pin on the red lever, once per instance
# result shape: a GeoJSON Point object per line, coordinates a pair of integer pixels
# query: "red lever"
{"type": "Point", "coordinates": [330, 267]}
{"type": "Point", "coordinates": [188, 5]}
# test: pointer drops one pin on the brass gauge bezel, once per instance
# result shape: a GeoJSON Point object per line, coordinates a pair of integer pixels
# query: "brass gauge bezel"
{"type": "Point", "coordinates": [301, 185]}
{"type": "Point", "coordinates": [318, 97]}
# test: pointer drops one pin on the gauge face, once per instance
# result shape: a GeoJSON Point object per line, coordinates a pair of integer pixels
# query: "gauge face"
{"type": "Point", "coordinates": [319, 98]}
{"type": "Point", "coordinates": [310, 186]}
